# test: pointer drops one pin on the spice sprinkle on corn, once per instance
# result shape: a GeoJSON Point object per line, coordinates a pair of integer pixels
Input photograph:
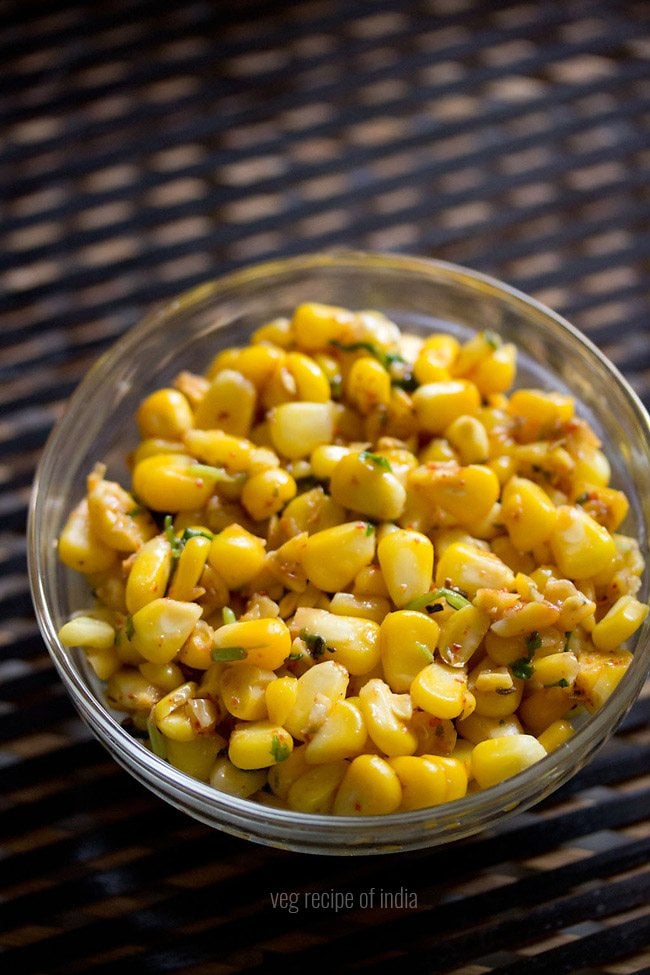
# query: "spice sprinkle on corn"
{"type": "Point", "coordinates": [352, 574]}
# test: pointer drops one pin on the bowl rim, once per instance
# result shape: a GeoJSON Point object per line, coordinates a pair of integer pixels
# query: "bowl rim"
{"type": "Point", "coordinates": [511, 795]}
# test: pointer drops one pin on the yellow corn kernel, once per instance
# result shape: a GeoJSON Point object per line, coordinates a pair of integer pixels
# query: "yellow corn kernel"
{"type": "Point", "coordinates": [516, 560]}
{"type": "Point", "coordinates": [220, 449]}
{"type": "Point", "coordinates": [438, 404]}
{"type": "Point", "coordinates": [469, 438]}
{"type": "Point", "coordinates": [276, 332]}
{"type": "Point", "coordinates": [455, 773]}
{"type": "Point", "coordinates": [256, 362]}
{"type": "Point", "coordinates": [370, 582]}
{"type": "Point", "coordinates": [468, 494]}
{"type": "Point", "coordinates": [189, 568]}
{"type": "Point", "coordinates": [315, 326]}
{"type": "Point", "coordinates": [79, 547]}
{"type": "Point", "coordinates": [170, 482]}
{"type": "Point", "coordinates": [442, 691]}
{"type": "Point", "coordinates": [469, 568]}
{"type": "Point", "coordinates": [528, 513]}
{"type": "Point", "coordinates": [299, 428]}
{"type": "Point", "coordinates": [461, 634]}
{"type": "Point", "coordinates": [259, 744]}
{"type": "Point", "coordinates": [315, 789]}
{"type": "Point", "coordinates": [334, 556]}
{"type": "Point", "coordinates": [444, 346]}
{"type": "Point", "coordinates": [365, 607]}
{"type": "Point", "coordinates": [312, 511]}
{"type": "Point", "coordinates": [543, 707]}
{"type": "Point", "coordinates": [317, 691]}
{"type": "Point", "coordinates": [361, 482]}
{"type": "Point", "coordinates": [282, 776]}
{"type": "Point", "coordinates": [592, 467]}
{"type": "Point", "coordinates": [605, 505]}
{"type": "Point", "coordinates": [619, 623]}
{"type": "Point", "coordinates": [165, 676]}
{"type": "Point", "coordinates": [129, 690]}
{"type": "Point", "coordinates": [435, 736]}
{"type": "Point", "coordinates": [479, 727]}
{"type": "Point", "coordinates": [438, 451]}
{"type": "Point", "coordinates": [462, 752]}
{"type": "Point", "coordinates": [497, 695]}
{"type": "Point", "coordinates": [182, 716]}
{"type": "Point", "coordinates": [287, 563]}
{"type": "Point", "coordinates": [538, 415]}
{"type": "Point", "coordinates": [502, 650]}
{"type": "Point", "coordinates": [406, 560]}
{"type": "Point", "coordinates": [386, 717]}
{"type": "Point", "coordinates": [311, 383]}
{"type": "Point", "coordinates": [368, 385]}
{"type": "Point", "coordinates": [104, 661]}
{"type": "Point", "coordinates": [87, 632]}
{"type": "Point", "coordinates": [341, 735]}
{"type": "Point", "coordinates": [599, 674]}
{"type": "Point", "coordinates": [350, 641]}
{"type": "Point", "coordinates": [267, 493]}
{"type": "Point", "coordinates": [237, 555]}
{"type": "Point", "coordinates": [498, 759]}
{"type": "Point", "coordinates": [114, 516]}
{"type": "Point", "coordinates": [525, 618]}
{"type": "Point", "coordinates": [243, 691]}
{"type": "Point", "coordinates": [192, 386]}
{"type": "Point", "coordinates": [554, 669]}
{"type": "Point", "coordinates": [496, 372]}
{"type": "Point", "coordinates": [280, 696]}
{"type": "Point", "coordinates": [164, 413]}
{"type": "Point", "coordinates": [195, 757]}
{"type": "Point", "coordinates": [161, 627]}
{"type": "Point", "coordinates": [325, 458]}
{"type": "Point", "coordinates": [149, 573]}
{"type": "Point", "coordinates": [228, 405]}
{"type": "Point", "coordinates": [370, 787]}
{"type": "Point", "coordinates": [429, 367]}
{"type": "Point", "coordinates": [155, 445]}
{"type": "Point", "coordinates": [581, 547]}
{"type": "Point", "coordinates": [196, 652]}
{"type": "Point", "coordinates": [424, 782]}
{"type": "Point", "coordinates": [264, 643]}
{"type": "Point", "coordinates": [556, 734]}
{"type": "Point", "coordinates": [242, 783]}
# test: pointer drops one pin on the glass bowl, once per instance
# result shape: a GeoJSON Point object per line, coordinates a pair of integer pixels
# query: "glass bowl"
{"type": "Point", "coordinates": [420, 295]}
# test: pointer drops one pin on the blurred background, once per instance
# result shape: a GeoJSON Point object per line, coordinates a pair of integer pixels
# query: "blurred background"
{"type": "Point", "coordinates": [148, 146]}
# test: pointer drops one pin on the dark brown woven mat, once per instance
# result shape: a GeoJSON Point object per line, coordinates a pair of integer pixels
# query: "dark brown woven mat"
{"type": "Point", "coordinates": [147, 146]}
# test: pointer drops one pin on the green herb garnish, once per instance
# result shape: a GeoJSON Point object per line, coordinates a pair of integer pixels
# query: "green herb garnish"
{"type": "Point", "coordinates": [317, 644]}
{"type": "Point", "coordinates": [582, 498]}
{"type": "Point", "coordinates": [229, 653]}
{"type": "Point", "coordinates": [228, 615]}
{"type": "Point", "coordinates": [454, 599]}
{"type": "Point", "coordinates": [492, 339]}
{"type": "Point", "coordinates": [376, 459]}
{"type": "Point", "coordinates": [567, 640]}
{"type": "Point", "coordinates": [533, 643]}
{"type": "Point", "coordinates": [134, 512]}
{"type": "Point", "coordinates": [562, 682]}
{"type": "Point", "coordinates": [129, 628]}
{"type": "Point", "coordinates": [296, 655]}
{"type": "Point", "coordinates": [158, 743]}
{"type": "Point", "coordinates": [279, 749]}
{"type": "Point", "coordinates": [522, 668]}
{"type": "Point", "coordinates": [369, 528]}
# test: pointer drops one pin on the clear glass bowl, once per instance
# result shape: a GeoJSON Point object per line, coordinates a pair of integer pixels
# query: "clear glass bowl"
{"type": "Point", "coordinates": [420, 295]}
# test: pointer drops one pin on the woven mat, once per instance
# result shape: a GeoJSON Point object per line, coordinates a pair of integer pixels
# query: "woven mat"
{"type": "Point", "coordinates": [148, 146]}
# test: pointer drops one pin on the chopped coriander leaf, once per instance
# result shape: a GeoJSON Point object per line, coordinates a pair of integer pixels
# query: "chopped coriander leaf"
{"type": "Point", "coordinates": [316, 644]}
{"type": "Point", "coordinates": [562, 682]}
{"type": "Point", "coordinates": [129, 628]}
{"type": "Point", "coordinates": [369, 528]}
{"type": "Point", "coordinates": [425, 651]}
{"type": "Point", "coordinates": [134, 512]}
{"type": "Point", "coordinates": [523, 669]}
{"type": "Point", "coordinates": [296, 655]}
{"type": "Point", "coordinates": [407, 382]}
{"type": "Point", "coordinates": [228, 615]}
{"type": "Point", "coordinates": [172, 538]}
{"type": "Point", "coordinates": [376, 459]}
{"type": "Point", "coordinates": [279, 749]}
{"type": "Point", "coordinates": [158, 743]}
{"type": "Point", "coordinates": [533, 643]}
{"type": "Point", "coordinates": [357, 347]}
{"type": "Point", "coordinates": [229, 653]}
{"type": "Point", "coordinates": [454, 599]}
{"type": "Point", "coordinates": [582, 498]}
{"type": "Point", "coordinates": [196, 533]}
{"type": "Point", "coordinates": [492, 339]}
{"type": "Point", "coordinates": [567, 640]}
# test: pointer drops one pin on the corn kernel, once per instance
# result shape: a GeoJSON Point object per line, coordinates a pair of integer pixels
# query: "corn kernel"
{"type": "Point", "coordinates": [467, 494]}
{"type": "Point", "coordinates": [195, 757]}
{"type": "Point", "coordinates": [619, 623]}
{"type": "Point", "coordinates": [498, 759]}
{"type": "Point", "coordinates": [341, 735]}
{"type": "Point", "coordinates": [79, 547]}
{"type": "Point", "coordinates": [438, 404]}
{"type": "Point", "coordinates": [407, 643]}
{"type": "Point", "coordinates": [170, 482]}
{"type": "Point", "coordinates": [361, 482]}
{"type": "Point", "coordinates": [469, 569]}
{"type": "Point", "coordinates": [334, 556]}
{"type": "Point", "coordinates": [461, 634]}
{"type": "Point", "coordinates": [242, 783]}
{"type": "Point", "coordinates": [315, 326]}
{"type": "Point", "coordinates": [280, 696]}
{"type": "Point", "coordinates": [299, 428]}
{"type": "Point", "coordinates": [243, 691]}
{"type": "Point", "coordinates": [406, 560]}
{"type": "Point", "coordinates": [528, 513]}
{"type": "Point", "coordinates": [365, 607]}
{"type": "Point", "coordinates": [259, 744]}
{"type": "Point", "coordinates": [539, 415]}
{"type": "Point", "coordinates": [267, 493]}
{"type": "Point", "coordinates": [442, 691]}
{"type": "Point", "coordinates": [84, 631]}
{"type": "Point", "coordinates": [282, 776]}
{"type": "Point", "coordinates": [599, 674]}
{"type": "Point", "coordinates": [557, 734]}
{"type": "Point", "coordinates": [315, 789]}
{"type": "Point", "coordinates": [423, 782]}
{"type": "Point", "coordinates": [161, 627]}
{"type": "Point", "coordinates": [370, 787]}
{"type": "Point", "coordinates": [479, 727]}
{"type": "Point", "coordinates": [348, 640]}
{"type": "Point", "coordinates": [237, 555]}
{"type": "Point", "coordinates": [164, 413]}
{"type": "Point", "coordinates": [581, 547]}
{"type": "Point", "coordinates": [228, 405]}
{"type": "Point", "coordinates": [220, 449]}
{"type": "Point", "coordinates": [386, 717]}
{"type": "Point", "coordinates": [368, 385]}
{"type": "Point", "coordinates": [265, 643]}
{"type": "Point", "coordinates": [469, 438]}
